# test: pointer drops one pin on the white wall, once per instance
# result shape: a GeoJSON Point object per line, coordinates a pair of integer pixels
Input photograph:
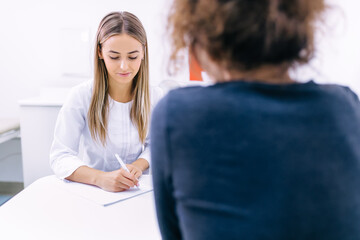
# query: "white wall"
{"type": "Point", "coordinates": [33, 52]}
{"type": "Point", "coordinates": [337, 59]}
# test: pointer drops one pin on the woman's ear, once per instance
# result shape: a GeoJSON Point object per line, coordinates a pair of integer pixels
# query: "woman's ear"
{"type": "Point", "coordinates": [206, 63]}
{"type": "Point", "coordinates": [100, 53]}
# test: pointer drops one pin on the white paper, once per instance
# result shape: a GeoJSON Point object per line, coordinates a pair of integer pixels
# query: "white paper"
{"type": "Point", "coordinates": [100, 196]}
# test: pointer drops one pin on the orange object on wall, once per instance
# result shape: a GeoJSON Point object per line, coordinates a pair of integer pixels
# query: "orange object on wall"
{"type": "Point", "coordinates": [195, 69]}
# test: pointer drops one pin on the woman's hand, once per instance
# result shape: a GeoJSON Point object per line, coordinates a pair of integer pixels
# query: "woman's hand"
{"type": "Point", "coordinates": [135, 170]}
{"type": "Point", "coordinates": [118, 180]}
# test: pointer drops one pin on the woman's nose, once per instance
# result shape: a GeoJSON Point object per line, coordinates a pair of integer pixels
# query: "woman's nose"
{"type": "Point", "coordinates": [123, 64]}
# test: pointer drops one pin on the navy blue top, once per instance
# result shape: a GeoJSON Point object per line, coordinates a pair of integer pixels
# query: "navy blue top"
{"type": "Point", "coordinates": [242, 160]}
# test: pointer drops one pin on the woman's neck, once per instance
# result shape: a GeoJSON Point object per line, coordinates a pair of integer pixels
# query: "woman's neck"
{"type": "Point", "coordinates": [265, 74]}
{"type": "Point", "coordinates": [272, 74]}
{"type": "Point", "coordinates": [120, 92]}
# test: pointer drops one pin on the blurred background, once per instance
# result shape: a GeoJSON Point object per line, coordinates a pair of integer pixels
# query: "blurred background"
{"type": "Point", "coordinates": [46, 44]}
{"type": "Point", "coordinates": [47, 47]}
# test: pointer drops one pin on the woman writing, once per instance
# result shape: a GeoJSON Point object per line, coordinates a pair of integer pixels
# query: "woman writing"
{"type": "Point", "coordinates": [111, 114]}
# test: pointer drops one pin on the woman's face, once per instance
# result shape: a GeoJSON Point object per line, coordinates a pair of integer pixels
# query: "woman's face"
{"type": "Point", "coordinates": [122, 55]}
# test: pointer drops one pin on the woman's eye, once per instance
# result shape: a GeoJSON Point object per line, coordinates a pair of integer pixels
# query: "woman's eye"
{"type": "Point", "coordinates": [114, 58]}
{"type": "Point", "coordinates": [133, 58]}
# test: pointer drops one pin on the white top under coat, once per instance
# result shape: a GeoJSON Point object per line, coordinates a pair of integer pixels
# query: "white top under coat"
{"type": "Point", "coordinates": [72, 128]}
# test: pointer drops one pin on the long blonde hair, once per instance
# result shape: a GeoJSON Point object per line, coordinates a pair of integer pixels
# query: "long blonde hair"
{"type": "Point", "coordinates": [113, 24]}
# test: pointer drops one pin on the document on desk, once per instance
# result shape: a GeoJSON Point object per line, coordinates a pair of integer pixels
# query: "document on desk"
{"type": "Point", "coordinates": [100, 196]}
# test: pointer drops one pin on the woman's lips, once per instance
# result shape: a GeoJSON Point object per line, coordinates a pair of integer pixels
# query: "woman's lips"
{"type": "Point", "coordinates": [124, 74]}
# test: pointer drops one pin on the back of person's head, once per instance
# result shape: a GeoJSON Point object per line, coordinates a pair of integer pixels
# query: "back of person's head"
{"type": "Point", "coordinates": [246, 34]}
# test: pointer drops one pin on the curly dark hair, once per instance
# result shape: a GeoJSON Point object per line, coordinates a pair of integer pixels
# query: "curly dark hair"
{"type": "Point", "coordinates": [246, 34]}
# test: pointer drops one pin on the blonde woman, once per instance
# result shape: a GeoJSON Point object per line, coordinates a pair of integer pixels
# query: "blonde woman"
{"type": "Point", "coordinates": [111, 114]}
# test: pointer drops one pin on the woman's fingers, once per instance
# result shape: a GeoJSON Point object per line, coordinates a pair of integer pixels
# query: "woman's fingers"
{"type": "Point", "coordinates": [138, 174]}
{"type": "Point", "coordinates": [125, 180]}
{"type": "Point", "coordinates": [128, 178]}
{"type": "Point", "coordinates": [125, 184]}
{"type": "Point", "coordinates": [135, 171]}
{"type": "Point", "coordinates": [127, 174]}
{"type": "Point", "coordinates": [128, 183]}
{"type": "Point", "coordinates": [117, 181]}
{"type": "Point", "coordinates": [131, 175]}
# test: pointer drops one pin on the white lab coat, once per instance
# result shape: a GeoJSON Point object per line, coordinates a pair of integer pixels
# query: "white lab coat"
{"type": "Point", "coordinates": [72, 128]}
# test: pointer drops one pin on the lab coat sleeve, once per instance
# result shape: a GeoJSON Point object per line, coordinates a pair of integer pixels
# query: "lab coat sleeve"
{"type": "Point", "coordinates": [65, 147]}
{"type": "Point", "coordinates": [146, 152]}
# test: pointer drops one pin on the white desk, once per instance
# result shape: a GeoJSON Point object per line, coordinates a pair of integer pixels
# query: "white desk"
{"type": "Point", "coordinates": [44, 211]}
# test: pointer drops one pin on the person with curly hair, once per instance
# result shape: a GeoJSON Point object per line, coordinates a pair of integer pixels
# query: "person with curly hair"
{"type": "Point", "coordinates": [257, 155]}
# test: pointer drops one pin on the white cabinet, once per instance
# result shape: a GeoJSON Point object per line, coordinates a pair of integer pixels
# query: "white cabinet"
{"type": "Point", "coordinates": [37, 121]}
